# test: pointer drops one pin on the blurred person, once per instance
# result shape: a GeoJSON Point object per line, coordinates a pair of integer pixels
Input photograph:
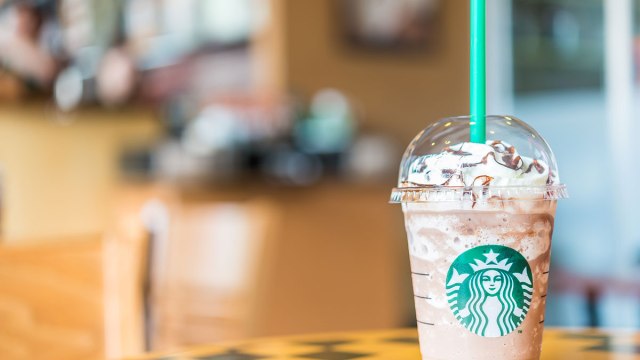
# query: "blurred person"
{"type": "Point", "coordinates": [20, 50]}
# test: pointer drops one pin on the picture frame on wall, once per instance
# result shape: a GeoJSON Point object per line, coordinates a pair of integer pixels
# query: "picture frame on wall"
{"type": "Point", "coordinates": [389, 24]}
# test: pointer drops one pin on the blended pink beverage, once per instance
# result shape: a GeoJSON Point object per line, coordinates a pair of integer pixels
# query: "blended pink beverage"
{"type": "Point", "coordinates": [479, 221]}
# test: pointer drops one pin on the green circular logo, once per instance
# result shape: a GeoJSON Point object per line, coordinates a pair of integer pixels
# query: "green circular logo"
{"type": "Point", "coordinates": [489, 289]}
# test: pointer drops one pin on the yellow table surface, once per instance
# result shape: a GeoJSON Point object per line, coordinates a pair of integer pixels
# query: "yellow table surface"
{"type": "Point", "coordinates": [559, 344]}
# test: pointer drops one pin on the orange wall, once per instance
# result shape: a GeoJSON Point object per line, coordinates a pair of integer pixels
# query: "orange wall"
{"type": "Point", "coordinates": [399, 93]}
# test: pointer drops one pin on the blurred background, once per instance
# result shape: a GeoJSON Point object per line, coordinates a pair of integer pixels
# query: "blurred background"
{"type": "Point", "coordinates": [174, 172]}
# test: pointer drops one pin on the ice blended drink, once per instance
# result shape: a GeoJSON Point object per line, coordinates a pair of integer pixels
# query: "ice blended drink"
{"type": "Point", "coordinates": [479, 220]}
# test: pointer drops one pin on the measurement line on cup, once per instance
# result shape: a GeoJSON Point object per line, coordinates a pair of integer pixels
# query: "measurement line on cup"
{"type": "Point", "coordinates": [421, 274]}
{"type": "Point", "coordinates": [546, 272]}
{"type": "Point", "coordinates": [425, 323]}
{"type": "Point", "coordinates": [543, 296]}
{"type": "Point", "coordinates": [422, 297]}
{"type": "Point", "coordinates": [541, 322]}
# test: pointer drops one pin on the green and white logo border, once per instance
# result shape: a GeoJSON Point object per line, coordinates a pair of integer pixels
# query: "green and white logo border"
{"type": "Point", "coordinates": [489, 289]}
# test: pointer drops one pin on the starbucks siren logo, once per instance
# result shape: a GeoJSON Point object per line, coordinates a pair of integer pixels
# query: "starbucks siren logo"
{"type": "Point", "coordinates": [489, 289]}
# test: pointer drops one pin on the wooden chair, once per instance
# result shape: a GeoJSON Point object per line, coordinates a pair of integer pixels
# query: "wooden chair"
{"type": "Point", "coordinates": [219, 257]}
{"type": "Point", "coordinates": [241, 263]}
{"type": "Point", "coordinates": [70, 299]}
{"type": "Point", "coordinates": [207, 263]}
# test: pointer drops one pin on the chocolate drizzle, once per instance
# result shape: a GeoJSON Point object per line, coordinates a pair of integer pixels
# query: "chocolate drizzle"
{"type": "Point", "coordinates": [457, 152]}
{"type": "Point", "coordinates": [498, 146]}
{"type": "Point", "coordinates": [509, 157]}
{"type": "Point", "coordinates": [484, 180]}
{"type": "Point", "coordinates": [454, 175]}
{"type": "Point", "coordinates": [552, 177]}
{"type": "Point", "coordinates": [535, 164]}
{"type": "Point", "coordinates": [459, 171]}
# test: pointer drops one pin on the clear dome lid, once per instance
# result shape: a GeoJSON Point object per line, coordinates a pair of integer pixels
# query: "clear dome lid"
{"type": "Point", "coordinates": [441, 165]}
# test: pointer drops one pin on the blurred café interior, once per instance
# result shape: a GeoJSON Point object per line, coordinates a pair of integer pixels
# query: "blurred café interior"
{"type": "Point", "coordinates": [178, 172]}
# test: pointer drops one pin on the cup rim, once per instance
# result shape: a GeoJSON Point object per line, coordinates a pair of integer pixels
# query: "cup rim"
{"type": "Point", "coordinates": [440, 193]}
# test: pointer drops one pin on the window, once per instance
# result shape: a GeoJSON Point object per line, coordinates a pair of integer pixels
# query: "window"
{"type": "Point", "coordinates": [558, 44]}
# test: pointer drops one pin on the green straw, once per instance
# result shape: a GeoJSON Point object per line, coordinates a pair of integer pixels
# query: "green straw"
{"type": "Point", "coordinates": [478, 72]}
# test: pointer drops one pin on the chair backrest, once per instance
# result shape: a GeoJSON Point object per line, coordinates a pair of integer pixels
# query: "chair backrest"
{"type": "Point", "coordinates": [68, 299]}
{"type": "Point", "coordinates": [218, 253]}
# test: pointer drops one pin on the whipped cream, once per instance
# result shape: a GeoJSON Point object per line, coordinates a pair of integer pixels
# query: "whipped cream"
{"type": "Point", "coordinates": [495, 163]}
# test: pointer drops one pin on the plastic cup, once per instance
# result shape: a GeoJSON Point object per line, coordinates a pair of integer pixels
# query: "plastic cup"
{"type": "Point", "coordinates": [479, 255]}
